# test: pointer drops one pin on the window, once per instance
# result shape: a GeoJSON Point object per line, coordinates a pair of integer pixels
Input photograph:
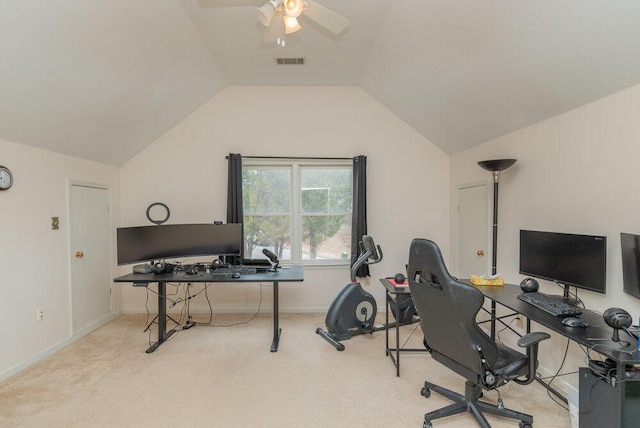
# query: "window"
{"type": "Point", "coordinates": [300, 210]}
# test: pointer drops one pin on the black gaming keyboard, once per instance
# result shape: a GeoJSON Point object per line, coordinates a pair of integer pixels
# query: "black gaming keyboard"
{"type": "Point", "coordinates": [550, 304]}
{"type": "Point", "coordinates": [229, 270]}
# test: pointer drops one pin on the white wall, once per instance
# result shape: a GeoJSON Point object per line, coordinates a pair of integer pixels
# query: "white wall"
{"type": "Point", "coordinates": [186, 169]}
{"type": "Point", "coordinates": [575, 173]}
{"type": "Point", "coordinates": [34, 260]}
{"type": "Point", "coordinates": [578, 173]}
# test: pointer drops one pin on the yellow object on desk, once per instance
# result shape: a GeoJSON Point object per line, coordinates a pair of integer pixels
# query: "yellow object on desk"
{"type": "Point", "coordinates": [481, 280]}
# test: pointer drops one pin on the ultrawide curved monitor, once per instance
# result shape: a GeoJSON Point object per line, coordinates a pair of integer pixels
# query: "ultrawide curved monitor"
{"type": "Point", "coordinates": [148, 243]}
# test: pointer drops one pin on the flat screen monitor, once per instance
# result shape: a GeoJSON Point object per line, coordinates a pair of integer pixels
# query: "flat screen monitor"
{"type": "Point", "coordinates": [630, 263]}
{"type": "Point", "coordinates": [565, 258]}
{"type": "Point", "coordinates": [148, 243]}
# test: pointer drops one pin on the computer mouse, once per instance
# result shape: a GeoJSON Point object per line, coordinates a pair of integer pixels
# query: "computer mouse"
{"type": "Point", "coordinates": [235, 275]}
{"type": "Point", "coordinates": [574, 322]}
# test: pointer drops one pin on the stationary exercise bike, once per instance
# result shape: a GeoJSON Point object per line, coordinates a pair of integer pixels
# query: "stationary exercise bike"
{"type": "Point", "coordinates": [353, 311]}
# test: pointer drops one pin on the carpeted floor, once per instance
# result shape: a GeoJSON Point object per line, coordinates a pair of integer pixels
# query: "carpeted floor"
{"type": "Point", "coordinates": [226, 377]}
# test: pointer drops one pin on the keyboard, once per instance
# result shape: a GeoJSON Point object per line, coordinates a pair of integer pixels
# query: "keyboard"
{"type": "Point", "coordinates": [550, 304]}
{"type": "Point", "coordinates": [229, 270]}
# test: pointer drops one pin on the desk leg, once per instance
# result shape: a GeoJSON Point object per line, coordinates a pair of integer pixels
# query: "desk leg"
{"type": "Point", "coordinates": [493, 320]}
{"type": "Point", "coordinates": [163, 335]}
{"type": "Point", "coordinates": [276, 329]}
{"type": "Point", "coordinates": [386, 323]}
{"type": "Point", "coordinates": [390, 351]}
{"type": "Point", "coordinates": [397, 335]}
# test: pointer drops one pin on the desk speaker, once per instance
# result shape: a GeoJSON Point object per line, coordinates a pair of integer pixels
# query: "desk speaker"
{"type": "Point", "coordinates": [529, 285]}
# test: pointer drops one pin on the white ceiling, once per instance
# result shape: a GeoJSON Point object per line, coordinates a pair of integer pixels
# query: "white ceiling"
{"type": "Point", "coordinates": [102, 79]}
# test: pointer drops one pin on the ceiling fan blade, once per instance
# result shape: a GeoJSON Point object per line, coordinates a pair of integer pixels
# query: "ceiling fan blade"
{"type": "Point", "coordinates": [325, 17]}
{"type": "Point", "coordinates": [273, 34]}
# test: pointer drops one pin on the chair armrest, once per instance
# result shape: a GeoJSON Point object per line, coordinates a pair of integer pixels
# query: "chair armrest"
{"type": "Point", "coordinates": [532, 339]}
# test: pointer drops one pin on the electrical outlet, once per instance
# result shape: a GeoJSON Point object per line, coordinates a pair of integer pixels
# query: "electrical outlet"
{"type": "Point", "coordinates": [39, 314]}
{"type": "Point", "coordinates": [519, 321]}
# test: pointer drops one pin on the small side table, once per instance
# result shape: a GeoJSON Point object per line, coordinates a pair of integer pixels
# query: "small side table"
{"type": "Point", "coordinates": [393, 296]}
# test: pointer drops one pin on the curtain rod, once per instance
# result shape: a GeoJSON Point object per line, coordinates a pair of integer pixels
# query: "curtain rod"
{"type": "Point", "coordinates": [292, 158]}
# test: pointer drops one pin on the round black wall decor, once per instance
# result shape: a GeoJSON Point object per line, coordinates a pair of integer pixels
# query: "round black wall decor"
{"type": "Point", "coordinates": [156, 221]}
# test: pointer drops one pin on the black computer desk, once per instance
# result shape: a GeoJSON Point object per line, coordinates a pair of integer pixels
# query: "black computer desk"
{"type": "Point", "coordinates": [393, 296]}
{"type": "Point", "coordinates": [596, 337]}
{"type": "Point", "coordinates": [284, 274]}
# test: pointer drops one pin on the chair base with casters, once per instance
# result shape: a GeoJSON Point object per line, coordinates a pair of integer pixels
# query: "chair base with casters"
{"type": "Point", "coordinates": [469, 402]}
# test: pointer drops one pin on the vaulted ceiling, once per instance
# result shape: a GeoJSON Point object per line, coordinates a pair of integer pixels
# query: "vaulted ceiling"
{"type": "Point", "coordinates": [102, 79]}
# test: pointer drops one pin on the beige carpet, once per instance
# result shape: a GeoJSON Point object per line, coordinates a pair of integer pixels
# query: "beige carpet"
{"type": "Point", "coordinates": [226, 377]}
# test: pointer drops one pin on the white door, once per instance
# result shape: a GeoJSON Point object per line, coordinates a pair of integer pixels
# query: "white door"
{"type": "Point", "coordinates": [472, 249]}
{"type": "Point", "coordinates": [90, 254]}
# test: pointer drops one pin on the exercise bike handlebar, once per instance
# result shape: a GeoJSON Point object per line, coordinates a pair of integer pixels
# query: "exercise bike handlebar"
{"type": "Point", "coordinates": [370, 251]}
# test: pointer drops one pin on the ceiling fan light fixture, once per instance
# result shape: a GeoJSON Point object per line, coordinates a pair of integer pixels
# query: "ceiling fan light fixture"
{"type": "Point", "coordinates": [291, 24]}
{"type": "Point", "coordinates": [293, 7]}
{"type": "Point", "coordinates": [266, 12]}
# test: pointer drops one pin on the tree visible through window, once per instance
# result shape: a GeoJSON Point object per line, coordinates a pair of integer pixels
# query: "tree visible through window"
{"type": "Point", "coordinates": [299, 210]}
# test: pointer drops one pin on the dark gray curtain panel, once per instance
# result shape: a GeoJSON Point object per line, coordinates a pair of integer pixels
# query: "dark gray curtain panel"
{"type": "Point", "coordinates": [234, 197]}
{"type": "Point", "coordinates": [359, 213]}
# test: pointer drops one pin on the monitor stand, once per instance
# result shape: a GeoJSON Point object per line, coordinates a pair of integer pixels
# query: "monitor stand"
{"type": "Point", "coordinates": [566, 298]}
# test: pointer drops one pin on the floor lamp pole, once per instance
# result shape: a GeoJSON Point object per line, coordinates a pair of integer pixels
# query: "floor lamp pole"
{"type": "Point", "coordinates": [495, 167]}
{"type": "Point", "coordinates": [494, 245]}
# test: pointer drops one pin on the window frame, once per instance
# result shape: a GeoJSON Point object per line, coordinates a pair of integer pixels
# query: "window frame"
{"type": "Point", "coordinates": [295, 166]}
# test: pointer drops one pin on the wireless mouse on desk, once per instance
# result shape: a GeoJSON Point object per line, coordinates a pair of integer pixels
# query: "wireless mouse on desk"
{"type": "Point", "coordinates": [574, 322]}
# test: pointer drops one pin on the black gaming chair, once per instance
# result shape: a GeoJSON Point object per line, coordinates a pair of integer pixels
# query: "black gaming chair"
{"type": "Point", "coordinates": [447, 310]}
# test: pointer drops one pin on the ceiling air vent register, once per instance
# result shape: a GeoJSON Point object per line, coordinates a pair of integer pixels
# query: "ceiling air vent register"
{"type": "Point", "coordinates": [290, 61]}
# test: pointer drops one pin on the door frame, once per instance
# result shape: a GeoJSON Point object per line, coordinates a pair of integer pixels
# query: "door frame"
{"type": "Point", "coordinates": [104, 319]}
{"type": "Point", "coordinates": [489, 206]}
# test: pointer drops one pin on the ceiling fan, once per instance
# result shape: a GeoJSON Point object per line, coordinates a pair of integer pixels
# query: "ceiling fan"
{"type": "Point", "coordinates": [292, 9]}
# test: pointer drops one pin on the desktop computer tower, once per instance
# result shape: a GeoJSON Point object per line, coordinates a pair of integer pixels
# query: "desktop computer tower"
{"type": "Point", "coordinates": [605, 405]}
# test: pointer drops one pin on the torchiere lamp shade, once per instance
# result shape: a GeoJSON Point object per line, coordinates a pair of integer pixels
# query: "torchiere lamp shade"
{"type": "Point", "coordinates": [497, 164]}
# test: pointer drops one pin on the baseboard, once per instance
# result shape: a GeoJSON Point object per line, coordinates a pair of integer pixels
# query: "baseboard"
{"type": "Point", "coordinates": [86, 329]}
{"type": "Point", "coordinates": [94, 325]}
{"type": "Point", "coordinates": [232, 310]}
{"type": "Point", "coordinates": [559, 383]}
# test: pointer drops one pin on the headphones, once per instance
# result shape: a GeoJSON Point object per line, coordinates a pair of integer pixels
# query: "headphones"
{"type": "Point", "coordinates": [529, 285]}
{"type": "Point", "coordinates": [606, 368]}
{"type": "Point", "coordinates": [158, 267]}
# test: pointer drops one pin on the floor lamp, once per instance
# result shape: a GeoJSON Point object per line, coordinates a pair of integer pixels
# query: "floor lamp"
{"type": "Point", "coordinates": [496, 166]}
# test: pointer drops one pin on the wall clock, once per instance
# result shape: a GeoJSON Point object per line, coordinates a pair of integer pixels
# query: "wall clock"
{"type": "Point", "coordinates": [6, 179]}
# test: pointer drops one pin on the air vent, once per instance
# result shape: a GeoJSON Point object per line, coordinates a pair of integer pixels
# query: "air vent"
{"type": "Point", "coordinates": [290, 61]}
